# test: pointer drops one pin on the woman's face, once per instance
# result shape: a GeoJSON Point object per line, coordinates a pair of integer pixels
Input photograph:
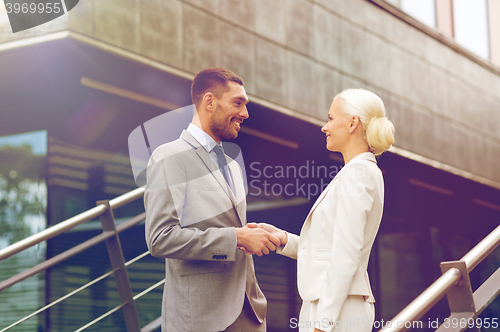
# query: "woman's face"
{"type": "Point", "coordinates": [337, 127]}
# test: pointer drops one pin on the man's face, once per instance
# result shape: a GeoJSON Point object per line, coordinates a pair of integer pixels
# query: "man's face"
{"type": "Point", "coordinates": [230, 111]}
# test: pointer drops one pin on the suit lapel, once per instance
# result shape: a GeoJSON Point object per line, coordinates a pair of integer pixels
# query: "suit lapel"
{"type": "Point", "coordinates": [205, 157]}
{"type": "Point", "coordinates": [203, 154]}
{"type": "Point", "coordinates": [363, 156]}
{"type": "Point", "coordinates": [239, 191]}
{"type": "Point", "coordinates": [320, 198]}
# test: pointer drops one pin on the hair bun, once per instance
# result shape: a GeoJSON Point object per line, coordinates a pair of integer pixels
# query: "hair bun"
{"type": "Point", "coordinates": [374, 121]}
{"type": "Point", "coordinates": [379, 134]}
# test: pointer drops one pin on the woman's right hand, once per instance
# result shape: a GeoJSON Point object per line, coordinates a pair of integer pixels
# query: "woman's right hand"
{"type": "Point", "coordinates": [279, 233]}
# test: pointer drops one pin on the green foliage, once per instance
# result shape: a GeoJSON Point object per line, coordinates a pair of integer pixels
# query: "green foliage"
{"type": "Point", "coordinates": [20, 174]}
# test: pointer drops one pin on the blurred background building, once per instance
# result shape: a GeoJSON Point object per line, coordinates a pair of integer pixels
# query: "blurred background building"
{"type": "Point", "coordinates": [72, 90]}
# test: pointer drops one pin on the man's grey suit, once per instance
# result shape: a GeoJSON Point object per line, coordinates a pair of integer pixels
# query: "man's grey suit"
{"type": "Point", "coordinates": [190, 217]}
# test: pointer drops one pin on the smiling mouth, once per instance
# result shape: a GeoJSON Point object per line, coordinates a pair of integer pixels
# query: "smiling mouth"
{"type": "Point", "coordinates": [237, 123]}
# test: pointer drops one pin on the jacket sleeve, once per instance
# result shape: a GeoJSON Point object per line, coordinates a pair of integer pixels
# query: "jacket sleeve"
{"type": "Point", "coordinates": [291, 247]}
{"type": "Point", "coordinates": [350, 204]}
{"type": "Point", "coordinates": [164, 199]}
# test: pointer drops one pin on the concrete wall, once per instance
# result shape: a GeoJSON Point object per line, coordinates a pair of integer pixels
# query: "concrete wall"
{"type": "Point", "coordinates": [300, 53]}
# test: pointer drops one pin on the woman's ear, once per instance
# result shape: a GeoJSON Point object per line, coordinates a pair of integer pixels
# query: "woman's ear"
{"type": "Point", "coordinates": [354, 123]}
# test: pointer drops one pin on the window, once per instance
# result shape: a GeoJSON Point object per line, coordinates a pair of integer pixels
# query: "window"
{"type": "Point", "coordinates": [470, 23]}
{"type": "Point", "coordinates": [422, 10]}
{"type": "Point", "coordinates": [23, 199]}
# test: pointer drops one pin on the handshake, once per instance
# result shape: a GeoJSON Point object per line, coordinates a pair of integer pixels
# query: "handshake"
{"type": "Point", "coordinates": [258, 239]}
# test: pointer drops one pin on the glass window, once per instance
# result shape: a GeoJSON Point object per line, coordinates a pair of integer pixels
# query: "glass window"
{"type": "Point", "coordinates": [470, 23]}
{"type": "Point", "coordinates": [422, 10]}
{"type": "Point", "coordinates": [23, 200]}
{"type": "Point", "coordinates": [23, 192]}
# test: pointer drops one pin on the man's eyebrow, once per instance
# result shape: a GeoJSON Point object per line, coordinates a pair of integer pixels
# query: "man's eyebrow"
{"type": "Point", "coordinates": [242, 99]}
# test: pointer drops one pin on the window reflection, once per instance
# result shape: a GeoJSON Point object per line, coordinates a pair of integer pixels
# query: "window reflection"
{"type": "Point", "coordinates": [23, 201]}
{"type": "Point", "coordinates": [467, 20]}
{"type": "Point", "coordinates": [470, 23]}
{"type": "Point", "coordinates": [422, 10]}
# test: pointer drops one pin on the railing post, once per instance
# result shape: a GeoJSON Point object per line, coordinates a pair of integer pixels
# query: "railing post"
{"type": "Point", "coordinates": [121, 276]}
{"type": "Point", "coordinates": [460, 298]}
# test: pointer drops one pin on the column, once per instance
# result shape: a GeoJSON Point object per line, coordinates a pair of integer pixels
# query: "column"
{"type": "Point", "coordinates": [494, 30]}
{"type": "Point", "coordinates": [444, 17]}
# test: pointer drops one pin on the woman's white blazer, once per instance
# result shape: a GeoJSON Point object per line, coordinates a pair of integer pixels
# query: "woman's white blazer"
{"type": "Point", "coordinates": [336, 239]}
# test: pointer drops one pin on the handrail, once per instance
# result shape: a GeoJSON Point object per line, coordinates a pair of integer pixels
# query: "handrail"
{"type": "Point", "coordinates": [68, 224]}
{"type": "Point", "coordinates": [423, 302]}
{"type": "Point", "coordinates": [126, 198]}
{"type": "Point", "coordinates": [70, 252]}
{"type": "Point", "coordinates": [121, 305]}
{"type": "Point", "coordinates": [418, 307]}
{"type": "Point", "coordinates": [482, 249]}
{"type": "Point", "coordinates": [104, 210]}
{"type": "Point", "coordinates": [62, 298]}
{"type": "Point", "coordinates": [87, 285]}
{"type": "Point", "coordinates": [52, 231]}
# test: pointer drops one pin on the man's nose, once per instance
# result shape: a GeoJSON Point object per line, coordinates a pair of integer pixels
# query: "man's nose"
{"type": "Point", "coordinates": [244, 113]}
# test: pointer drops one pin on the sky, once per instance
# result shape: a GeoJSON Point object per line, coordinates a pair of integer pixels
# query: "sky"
{"type": "Point", "coordinates": [37, 139]}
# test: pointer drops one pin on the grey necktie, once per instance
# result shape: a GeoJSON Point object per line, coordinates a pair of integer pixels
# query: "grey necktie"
{"type": "Point", "coordinates": [221, 160]}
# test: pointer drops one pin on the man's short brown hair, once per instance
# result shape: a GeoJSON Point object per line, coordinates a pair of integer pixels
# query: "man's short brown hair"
{"type": "Point", "coordinates": [212, 80]}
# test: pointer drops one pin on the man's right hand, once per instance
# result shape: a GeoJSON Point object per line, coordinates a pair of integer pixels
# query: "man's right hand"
{"type": "Point", "coordinates": [256, 241]}
{"type": "Point", "coordinates": [279, 233]}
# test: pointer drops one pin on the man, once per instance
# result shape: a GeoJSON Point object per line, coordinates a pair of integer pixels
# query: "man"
{"type": "Point", "coordinates": [196, 217]}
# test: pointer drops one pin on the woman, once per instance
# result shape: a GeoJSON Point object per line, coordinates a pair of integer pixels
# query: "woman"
{"type": "Point", "coordinates": [336, 239]}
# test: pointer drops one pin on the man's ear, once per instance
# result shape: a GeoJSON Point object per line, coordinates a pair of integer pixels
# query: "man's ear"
{"type": "Point", "coordinates": [209, 101]}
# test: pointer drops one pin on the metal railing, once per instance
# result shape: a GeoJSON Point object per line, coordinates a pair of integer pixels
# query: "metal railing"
{"type": "Point", "coordinates": [465, 306]}
{"type": "Point", "coordinates": [103, 210]}
{"type": "Point", "coordinates": [454, 282]}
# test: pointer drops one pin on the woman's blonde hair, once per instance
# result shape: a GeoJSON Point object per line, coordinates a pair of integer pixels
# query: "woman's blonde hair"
{"type": "Point", "coordinates": [371, 112]}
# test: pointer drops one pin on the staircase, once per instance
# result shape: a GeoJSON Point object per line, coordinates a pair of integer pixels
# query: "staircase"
{"type": "Point", "coordinates": [465, 305]}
